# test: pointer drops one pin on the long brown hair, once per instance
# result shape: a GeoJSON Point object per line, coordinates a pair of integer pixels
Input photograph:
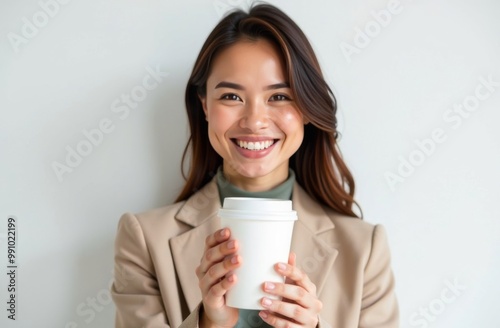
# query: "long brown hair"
{"type": "Point", "coordinates": [318, 164]}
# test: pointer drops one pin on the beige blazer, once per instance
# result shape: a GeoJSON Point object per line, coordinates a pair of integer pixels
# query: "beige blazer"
{"type": "Point", "coordinates": [157, 252]}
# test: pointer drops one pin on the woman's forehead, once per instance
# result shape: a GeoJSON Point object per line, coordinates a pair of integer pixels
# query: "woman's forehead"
{"type": "Point", "coordinates": [249, 61]}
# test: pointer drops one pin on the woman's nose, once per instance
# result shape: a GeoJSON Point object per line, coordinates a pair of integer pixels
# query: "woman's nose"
{"type": "Point", "coordinates": [255, 117]}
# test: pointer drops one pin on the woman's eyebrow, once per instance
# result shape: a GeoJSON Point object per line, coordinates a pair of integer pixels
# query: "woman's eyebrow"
{"type": "Point", "coordinates": [230, 85]}
{"type": "Point", "coordinates": [236, 86]}
{"type": "Point", "coordinates": [277, 86]}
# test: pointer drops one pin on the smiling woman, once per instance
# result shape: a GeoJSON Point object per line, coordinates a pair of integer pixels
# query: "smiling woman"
{"type": "Point", "coordinates": [253, 122]}
{"type": "Point", "coordinates": [262, 122]}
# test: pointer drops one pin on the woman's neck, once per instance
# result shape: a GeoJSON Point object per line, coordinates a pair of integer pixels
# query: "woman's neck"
{"type": "Point", "coordinates": [256, 183]}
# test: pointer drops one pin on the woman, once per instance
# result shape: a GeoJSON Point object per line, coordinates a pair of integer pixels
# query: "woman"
{"type": "Point", "coordinates": [262, 121]}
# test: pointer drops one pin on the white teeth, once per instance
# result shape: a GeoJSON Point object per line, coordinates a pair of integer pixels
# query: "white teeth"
{"type": "Point", "coordinates": [255, 145]}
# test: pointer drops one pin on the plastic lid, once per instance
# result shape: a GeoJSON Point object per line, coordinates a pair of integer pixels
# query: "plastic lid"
{"type": "Point", "coordinates": [246, 208]}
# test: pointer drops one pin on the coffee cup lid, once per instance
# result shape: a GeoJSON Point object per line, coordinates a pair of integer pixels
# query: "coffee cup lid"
{"type": "Point", "coordinates": [247, 208]}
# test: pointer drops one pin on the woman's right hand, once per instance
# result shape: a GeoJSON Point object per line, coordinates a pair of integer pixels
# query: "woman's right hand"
{"type": "Point", "coordinates": [215, 279]}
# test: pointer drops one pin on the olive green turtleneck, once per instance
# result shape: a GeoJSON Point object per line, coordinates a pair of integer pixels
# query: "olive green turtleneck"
{"type": "Point", "coordinates": [227, 189]}
{"type": "Point", "coordinates": [251, 318]}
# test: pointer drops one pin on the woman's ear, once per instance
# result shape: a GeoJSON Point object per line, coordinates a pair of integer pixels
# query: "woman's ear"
{"type": "Point", "coordinates": [203, 100]}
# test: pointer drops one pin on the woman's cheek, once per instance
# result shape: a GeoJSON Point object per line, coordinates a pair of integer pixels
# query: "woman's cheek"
{"type": "Point", "coordinates": [291, 117]}
{"type": "Point", "coordinates": [223, 116]}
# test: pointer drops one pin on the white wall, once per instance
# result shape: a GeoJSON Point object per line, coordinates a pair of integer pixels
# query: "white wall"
{"type": "Point", "coordinates": [399, 86]}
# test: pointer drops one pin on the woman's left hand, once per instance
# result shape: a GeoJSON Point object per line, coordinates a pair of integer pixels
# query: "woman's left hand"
{"type": "Point", "coordinates": [299, 306]}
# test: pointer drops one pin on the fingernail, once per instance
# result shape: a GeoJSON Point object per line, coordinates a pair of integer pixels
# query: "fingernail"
{"type": "Point", "coordinates": [230, 278]}
{"type": "Point", "coordinates": [270, 286]}
{"type": "Point", "coordinates": [282, 266]}
{"type": "Point", "coordinates": [266, 302]}
{"type": "Point", "coordinates": [234, 259]}
{"type": "Point", "coordinates": [263, 314]}
{"type": "Point", "coordinates": [223, 232]}
{"type": "Point", "coordinates": [230, 245]}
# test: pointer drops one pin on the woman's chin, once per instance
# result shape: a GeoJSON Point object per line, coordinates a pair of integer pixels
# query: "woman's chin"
{"type": "Point", "coordinates": [255, 172]}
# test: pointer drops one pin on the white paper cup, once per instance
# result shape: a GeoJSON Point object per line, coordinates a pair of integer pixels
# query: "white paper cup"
{"type": "Point", "coordinates": [263, 228]}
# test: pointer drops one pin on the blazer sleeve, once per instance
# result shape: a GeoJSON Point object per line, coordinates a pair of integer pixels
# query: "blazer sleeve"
{"type": "Point", "coordinates": [379, 308]}
{"type": "Point", "coordinates": [135, 288]}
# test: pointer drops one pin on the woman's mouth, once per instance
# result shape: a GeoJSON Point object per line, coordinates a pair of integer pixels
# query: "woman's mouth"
{"type": "Point", "coordinates": [254, 145]}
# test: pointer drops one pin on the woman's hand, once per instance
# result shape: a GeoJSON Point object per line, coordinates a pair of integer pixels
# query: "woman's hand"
{"type": "Point", "coordinates": [299, 307]}
{"type": "Point", "coordinates": [215, 279]}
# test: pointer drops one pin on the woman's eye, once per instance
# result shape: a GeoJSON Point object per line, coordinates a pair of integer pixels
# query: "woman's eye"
{"type": "Point", "coordinates": [279, 98]}
{"type": "Point", "coordinates": [230, 96]}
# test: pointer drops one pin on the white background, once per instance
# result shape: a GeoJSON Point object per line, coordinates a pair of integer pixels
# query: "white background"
{"type": "Point", "coordinates": [442, 225]}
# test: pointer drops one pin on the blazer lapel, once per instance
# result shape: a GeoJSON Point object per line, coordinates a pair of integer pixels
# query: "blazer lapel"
{"type": "Point", "coordinates": [200, 212]}
{"type": "Point", "coordinates": [311, 240]}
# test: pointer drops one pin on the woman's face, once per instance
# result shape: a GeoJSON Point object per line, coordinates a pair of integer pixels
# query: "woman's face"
{"type": "Point", "coordinates": [253, 122]}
